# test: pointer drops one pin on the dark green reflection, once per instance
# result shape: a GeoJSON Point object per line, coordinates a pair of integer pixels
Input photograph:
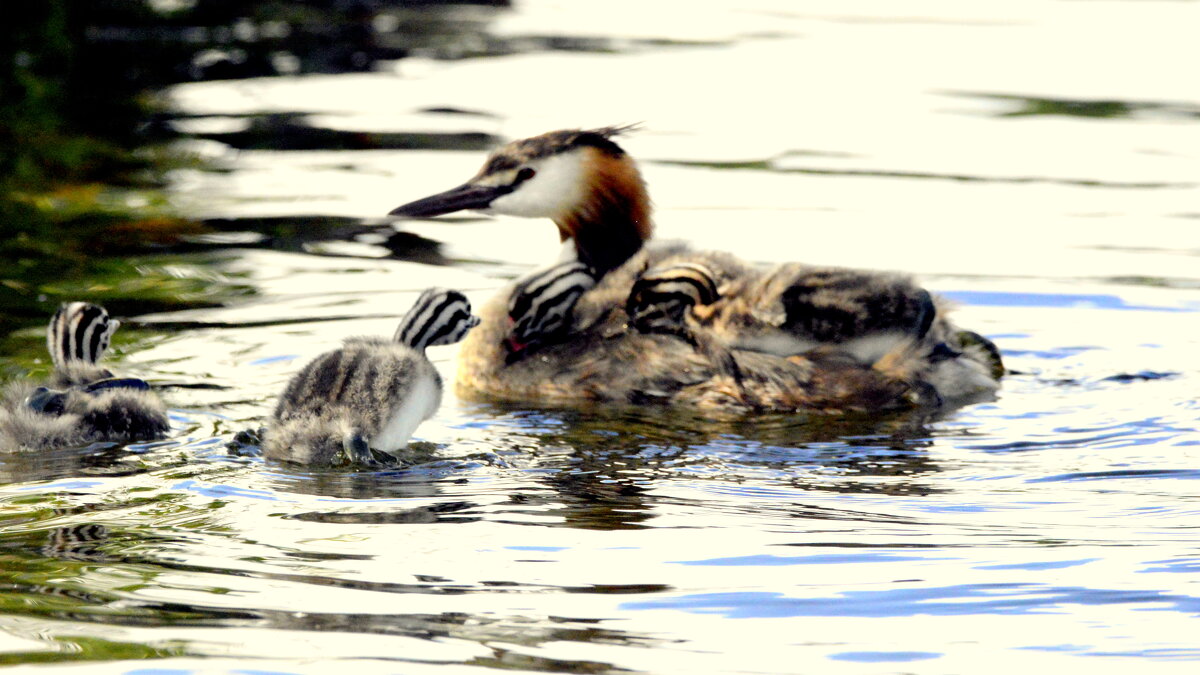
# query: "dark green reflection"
{"type": "Point", "coordinates": [91, 574]}
{"type": "Point", "coordinates": [85, 135]}
{"type": "Point", "coordinates": [1022, 106]}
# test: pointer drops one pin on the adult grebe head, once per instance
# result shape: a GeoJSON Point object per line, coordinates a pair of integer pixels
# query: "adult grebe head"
{"type": "Point", "coordinates": [580, 179]}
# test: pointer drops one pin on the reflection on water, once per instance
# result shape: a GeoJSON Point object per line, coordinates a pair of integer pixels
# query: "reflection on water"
{"type": "Point", "coordinates": [1036, 105]}
{"type": "Point", "coordinates": [945, 601]}
{"type": "Point", "coordinates": [1049, 198]}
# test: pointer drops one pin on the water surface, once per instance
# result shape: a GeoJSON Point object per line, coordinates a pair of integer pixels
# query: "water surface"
{"type": "Point", "coordinates": [1034, 161]}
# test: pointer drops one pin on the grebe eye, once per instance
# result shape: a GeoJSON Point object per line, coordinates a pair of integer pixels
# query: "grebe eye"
{"type": "Point", "coordinates": [525, 174]}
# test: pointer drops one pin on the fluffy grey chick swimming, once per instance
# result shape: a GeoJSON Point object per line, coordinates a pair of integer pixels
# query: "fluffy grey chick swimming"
{"type": "Point", "coordinates": [82, 402]}
{"type": "Point", "coordinates": [370, 394]}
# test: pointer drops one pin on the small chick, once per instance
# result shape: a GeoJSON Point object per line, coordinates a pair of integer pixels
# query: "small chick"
{"type": "Point", "coordinates": [83, 402]}
{"type": "Point", "coordinates": [370, 394]}
{"type": "Point", "coordinates": [541, 305]}
{"type": "Point", "coordinates": [661, 297]}
{"type": "Point", "coordinates": [663, 300]}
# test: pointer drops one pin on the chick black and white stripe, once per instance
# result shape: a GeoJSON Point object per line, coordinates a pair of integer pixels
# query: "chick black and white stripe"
{"type": "Point", "coordinates": [369, 394]}
{"type": "Point", "coordinates": [661, 297]}
{"type": "Point", "coordinates": [541, 304]}
{"type": "Point", "coordinates": [82, 402]}
{"type": "Point", "coordinates": [439, 317]}
{"type": "Point", "coordinates": [79, 331]}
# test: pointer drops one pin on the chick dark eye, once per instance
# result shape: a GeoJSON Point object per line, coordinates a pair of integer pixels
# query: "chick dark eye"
{"type": "Point", "coordinates": [525, 174]}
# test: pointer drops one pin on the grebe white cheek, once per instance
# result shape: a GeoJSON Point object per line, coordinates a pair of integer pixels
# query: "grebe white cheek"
{"type": "Point", "coordinates": [551, 187]}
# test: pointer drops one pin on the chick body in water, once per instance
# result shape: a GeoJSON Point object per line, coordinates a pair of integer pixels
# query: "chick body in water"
{"type": "Point", "coordinates": [81, 402]}
{"type": "Point", "coordinates": [372, 393]}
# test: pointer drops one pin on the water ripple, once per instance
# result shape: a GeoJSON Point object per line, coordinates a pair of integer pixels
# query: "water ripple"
{"type": "Point", "coordinates": [1190, 474]}
{"type": "Point", "coordinates": [959, 600]}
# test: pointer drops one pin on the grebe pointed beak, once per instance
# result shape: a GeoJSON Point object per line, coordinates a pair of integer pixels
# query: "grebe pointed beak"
{"type": "Point", "coordinates": [464, 197]}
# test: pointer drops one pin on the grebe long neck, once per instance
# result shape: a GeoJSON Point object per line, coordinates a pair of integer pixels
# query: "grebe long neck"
{"type": "Point", "coordinates": [613, 223]}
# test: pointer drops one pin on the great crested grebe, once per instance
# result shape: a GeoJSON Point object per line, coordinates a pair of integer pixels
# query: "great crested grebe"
{"type": "Point", "coordinates": [370, 394]}
{"type": "Point", "coordinates": [791, 328]}
{"type": "Point", "coordinates": [82, 402]}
